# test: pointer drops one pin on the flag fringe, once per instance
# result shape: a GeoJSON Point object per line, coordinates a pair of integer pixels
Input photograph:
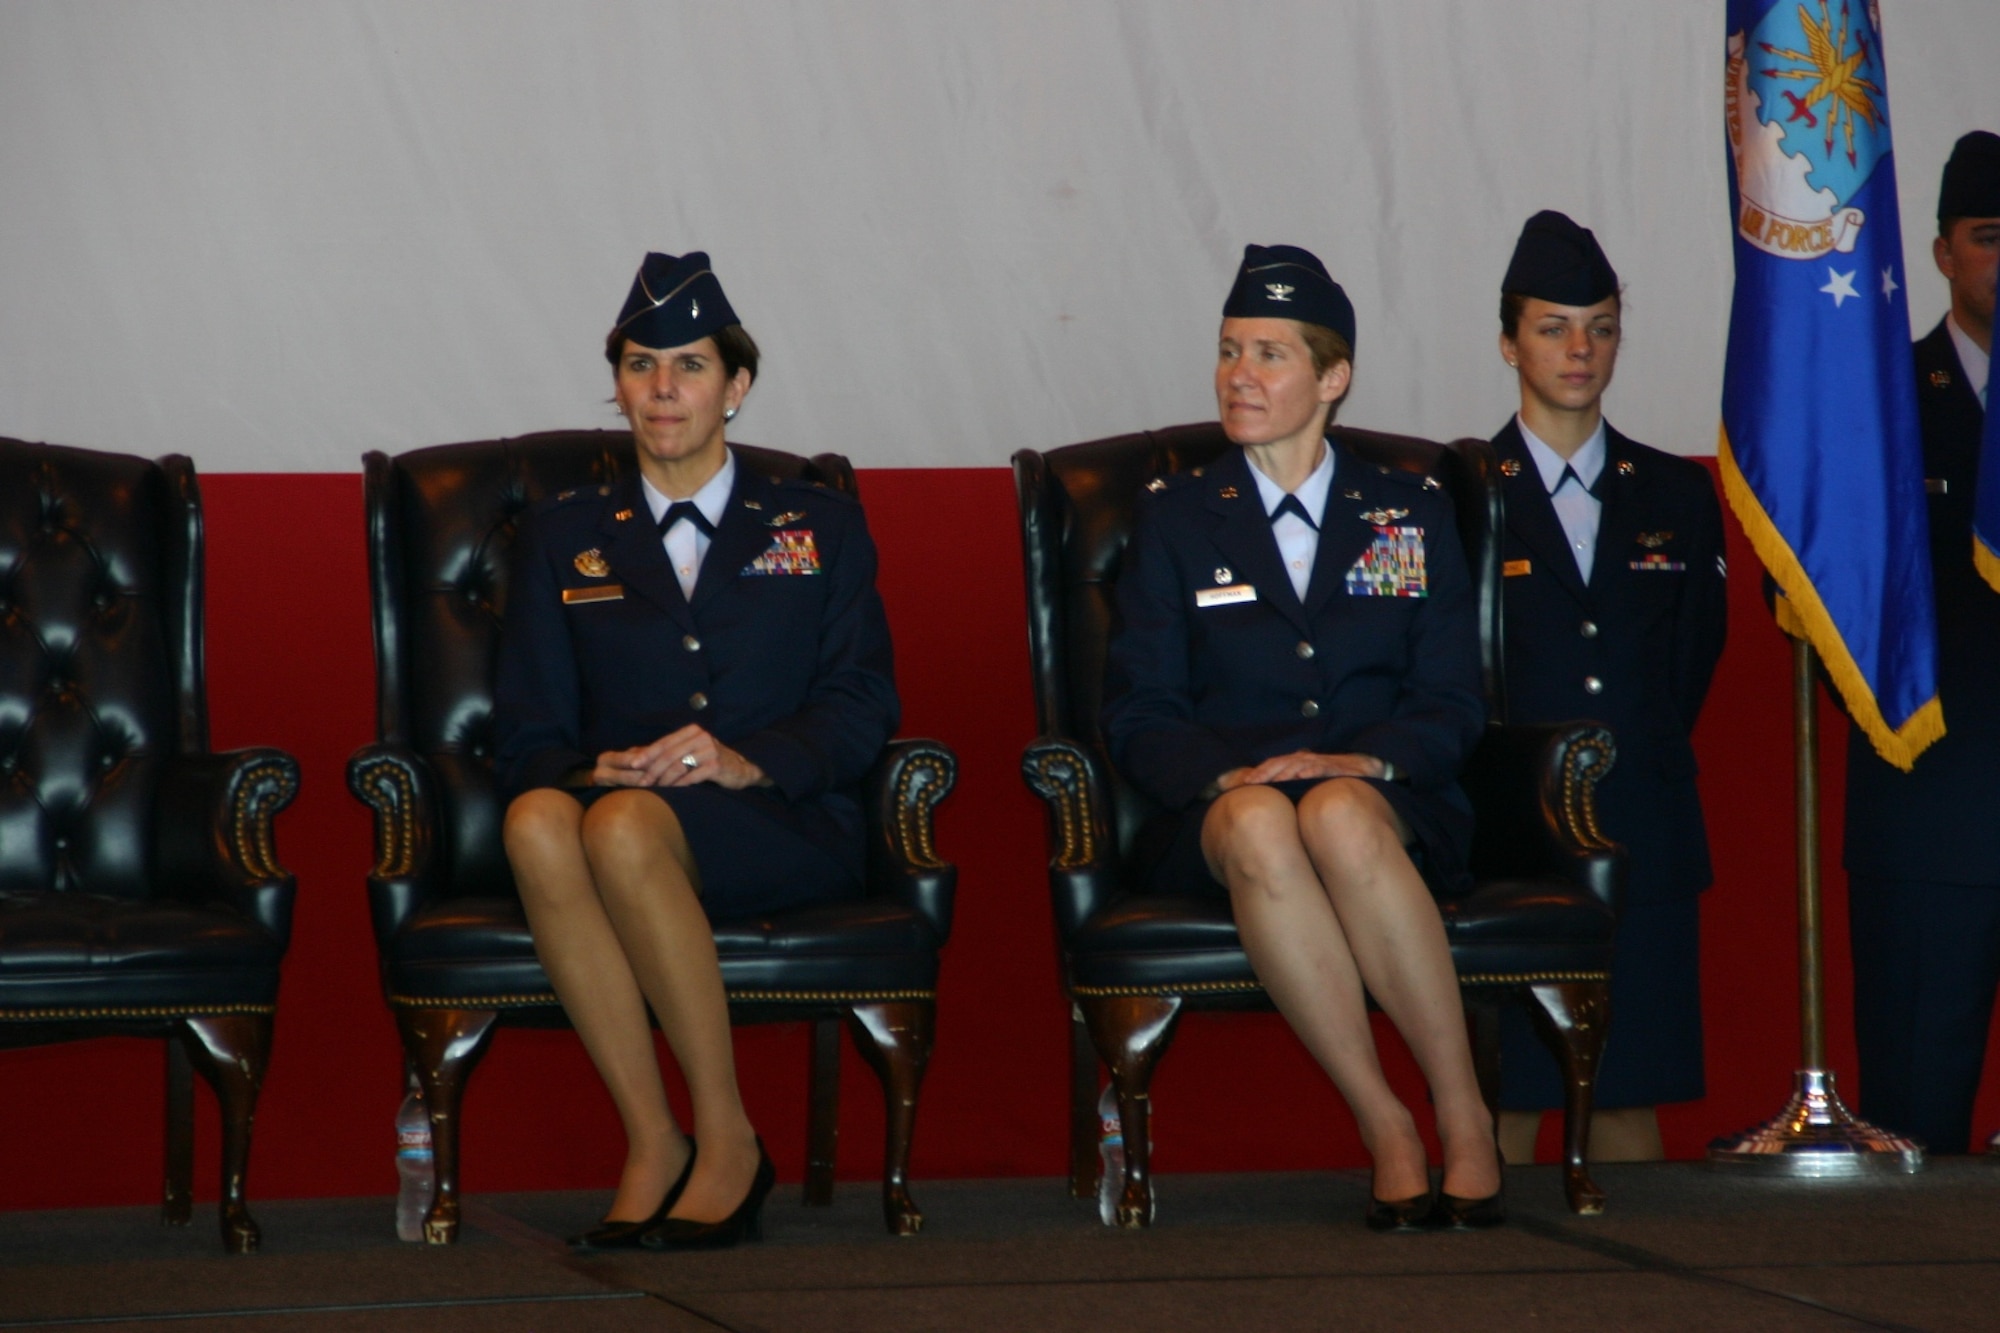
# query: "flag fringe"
{"type": "Point", "coordinates": [1802, 614]}
{"type": "Point", "coordinates": [1986, 562]}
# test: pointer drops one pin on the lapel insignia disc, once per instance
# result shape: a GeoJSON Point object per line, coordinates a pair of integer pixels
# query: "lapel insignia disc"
{"type": "Point", "coordinates": [1940, 379]}
{"type": "Point", "coordinates": [1380, 516]}
{"type": "Point", "coordinates": [1625, 468]}
{"type": "Point", "coordinates": [1510, 467]}
{"type": "Point", "coordinates": [1653, 541]}
{"type": "Point", "coordinates": [1227, 492]}
{"type": "Point", "coordinates": [591, 564]}
{"type": "Point", "coordinates": [1222, 574]}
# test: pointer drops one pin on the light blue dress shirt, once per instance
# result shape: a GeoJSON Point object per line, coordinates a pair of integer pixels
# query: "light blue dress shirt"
{"type": "Point", "coordinates": [1298, 541]}
{"type": "Point", "coordinates": [1575, 506]}
{"type": "Point", "coordinates": [687, 544]}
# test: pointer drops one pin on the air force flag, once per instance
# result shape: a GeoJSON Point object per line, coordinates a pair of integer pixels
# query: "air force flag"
{"type": "Point", "coordinates": [1821, 455]}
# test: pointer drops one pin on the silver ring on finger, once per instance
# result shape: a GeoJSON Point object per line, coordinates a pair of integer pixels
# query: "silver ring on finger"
{"type": "Point", "coordinates": [690, 763]}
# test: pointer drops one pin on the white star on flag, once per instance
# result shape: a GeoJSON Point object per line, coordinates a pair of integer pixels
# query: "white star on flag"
{"type": "Point", "coordinates": [1840, 286]}
{"type": "Point", "coordinates": [1889, 284]}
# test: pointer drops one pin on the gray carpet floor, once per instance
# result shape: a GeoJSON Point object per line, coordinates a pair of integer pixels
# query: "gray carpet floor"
{"type": "Point", "coordinates": [1681, 1248]}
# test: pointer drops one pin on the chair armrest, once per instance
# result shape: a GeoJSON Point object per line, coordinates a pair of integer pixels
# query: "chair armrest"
{"type": "Point", "coordinates": [902, 791]}
{"type": "Point", "coordinates": [216, 840]}
{"type": "Point", "coordinates": [1534, 792]}
{"type": "Point", "coordinates": [396, 783]}
{"type": "Point", "coordinates": [1083, 850]}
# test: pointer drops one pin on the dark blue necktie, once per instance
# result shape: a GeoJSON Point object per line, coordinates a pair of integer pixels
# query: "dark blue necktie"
{"type": "Point", "coordinates": [1290, 505]}
{"type": "Point", "coordinates": [686, 509]}
{"type": "Point", "coordinates": [1570, 474]}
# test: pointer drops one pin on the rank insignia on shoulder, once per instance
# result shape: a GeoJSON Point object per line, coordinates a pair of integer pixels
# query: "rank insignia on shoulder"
{"type": "Point", "coordinates": [791, 552]}
{"type": "Point", "coordinates": [1940, 379]}
{"type": "Point", "coordinates": [1156, 485]}
{"type": "Point", "coordinates": [564, 495]}
{"type": "Point", "coordinates": [604, 490]}
{"type": "Point", "coordinates": [789, 516]}
{"type": "Point", "coordinates": [753, 504]}
{"type": "Point", "coordinates": [591, 564]}
{"type": "Point", "coordinates": [1514, 569]}
{"type": "Point", "coordinates": [1380, 516]}
{"type": "Point", "coordinates": [1198, 471]}
{"type": "Point", "coordinates": [1222, 574]}
{"type": "Point", "coordinates": [1510, 467]}
{"type": "Point", "coordinates": [623, 516]}
{"type": "Point", "coordinates": [1653, 541]}
{"type": "Point", "coordinates": [1227, 492]}
{"type": "Point", "coordinates": [1433, 484]}
{"type": "Point", "coordinates": [1392, 566]}
{"type": "Point", "coordinates": [1625, 468]}
{"type": "Point", "coordinates": [1352, 495]}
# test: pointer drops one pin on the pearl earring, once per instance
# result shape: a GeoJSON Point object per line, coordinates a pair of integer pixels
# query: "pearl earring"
{"type": "Point", "coordinates": [729, 414]}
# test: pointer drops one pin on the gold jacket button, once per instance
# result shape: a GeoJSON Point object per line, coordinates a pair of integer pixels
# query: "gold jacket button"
{"type": "Point", "coordinates": [1592, 685]}
{"type": "Point", "coordinates": [1304, 650]}
{"type": "Point", "coordinates": [691, 643]}
{"type": "Point", "coordinates": [1310, 708]}
{"type": "Point", "coordinates": [698, 701]}
{"type": "Point", "coordinates": [1588, 629]}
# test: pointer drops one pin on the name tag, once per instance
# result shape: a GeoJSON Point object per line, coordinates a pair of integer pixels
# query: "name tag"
{"type": "Point", "coordinates": [1514, 569]}
{"type": "Point", "coordinates": [1230, 596]}
{"type": "Point", "coordinates": [610, 592]}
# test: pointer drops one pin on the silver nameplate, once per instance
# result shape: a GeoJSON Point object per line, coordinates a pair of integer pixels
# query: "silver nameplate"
{"type": "Point", "coordinates": [1230, 596]}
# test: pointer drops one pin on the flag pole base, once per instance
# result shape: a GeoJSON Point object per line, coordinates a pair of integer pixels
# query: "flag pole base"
{"type": "Point", "coordinates": [1815, 1137]}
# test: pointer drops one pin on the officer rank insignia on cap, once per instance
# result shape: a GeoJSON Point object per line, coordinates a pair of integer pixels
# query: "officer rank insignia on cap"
{"type": "Point", "coordinates": [1392, 566]}
{"type": "Point", "coordinates": [675, 300]}
{"type": "Point", "coordinates": [591, 564]}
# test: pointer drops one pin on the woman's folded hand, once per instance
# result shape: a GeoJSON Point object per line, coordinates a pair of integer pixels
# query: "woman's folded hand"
{"type": "Point", "coordinates": [680, 759]}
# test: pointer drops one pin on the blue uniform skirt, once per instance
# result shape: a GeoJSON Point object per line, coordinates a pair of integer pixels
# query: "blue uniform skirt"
{"type": "Point", "coordinates": [1167, 857]}
{"type": "Point", "coordinates": [756, 851]}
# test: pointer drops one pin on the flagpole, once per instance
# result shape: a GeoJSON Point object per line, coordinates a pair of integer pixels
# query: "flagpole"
{"type": "Point", "coordinates": [1815, 1136]}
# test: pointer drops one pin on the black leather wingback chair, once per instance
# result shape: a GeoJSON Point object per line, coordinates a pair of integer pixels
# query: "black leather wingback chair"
{"type": "Point", "coordinates": [140, 890]}
{"type": "Point", "coordinates": [1537, 925]}
{"type": "Point", "coordinates": [456, 956]}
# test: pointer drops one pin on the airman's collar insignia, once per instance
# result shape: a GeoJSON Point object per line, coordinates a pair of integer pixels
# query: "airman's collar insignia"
{"type": "Point", "coordinates": [1381, 516]}
{"type": "Point", "coordinates": [591, 564]}
{"type": "Point", "coordinates": [1510, 467]}
{"type": "Point", "coordinates": [1940, 379]}
{"type": "Point", "coordinates": [789, 516]}
{"type": "Point", "coordinates": [1625, 468]}
{"type": "Point", "coordinates": [1653, 541]}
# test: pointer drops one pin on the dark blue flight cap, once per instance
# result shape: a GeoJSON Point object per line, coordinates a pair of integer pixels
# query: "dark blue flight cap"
{"type": "Point", "coordinates": [1286, 282]}
{"type": "Point", "coordinates": [674, 302]}
{"type": "Point", "coordinates": [1971, 186]}
{"type": "Point", "coordinates": [1556, 260]}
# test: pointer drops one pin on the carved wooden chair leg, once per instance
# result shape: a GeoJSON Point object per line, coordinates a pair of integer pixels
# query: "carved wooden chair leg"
{"type": "Point", "coordinates": [232, 1051]}
{"type": "Point", "coordinates": [823, 1119]}
{"type": "Point", "coordinates": [177, 1193]}
{"type": "Point", "coordinates": [1571, 1017]}
{"type": "Point", "coordinates": [895, 1039]}
{"type": "Point", "coordinates": [445, 1045]}
{"type": "Point", "coordinates": [1482, 1026]}
{"type": "Point", "coordinates": [1131, 1033]}
{"type": "Point", "coordinates": [1084, 1159]}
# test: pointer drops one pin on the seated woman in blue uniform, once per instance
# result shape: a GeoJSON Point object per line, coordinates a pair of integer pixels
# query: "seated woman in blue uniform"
{"type": "Point", "coordinates": [1295, 678]}
{"type": "Point", "coordinates": [1615, 610]}
{"type": "Point", "coordinates": [694, 676]}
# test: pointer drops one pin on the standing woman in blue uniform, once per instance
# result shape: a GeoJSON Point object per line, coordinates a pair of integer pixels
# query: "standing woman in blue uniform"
{"type": "Point", "coordinates": [1923, 847]}
{"type": "Point", "coordinates": [1614, 608]}
{"type": "Point", "coordinates": [1295, 679]}
{"type": "Point", "coordinates": [694, 676]}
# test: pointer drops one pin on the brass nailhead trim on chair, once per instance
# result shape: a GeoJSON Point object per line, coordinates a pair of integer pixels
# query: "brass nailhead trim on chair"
{"type": "Point", "coordinates": [262, 790]}
{"type": "Point", "coordinates": [532, 1000]}
{"type": "Point", "coordinates": [1058, 779]}
{"type": "Point", "coordinates": [385, 785]}
{"type": "Point", "coordinates": [132, 1011]}
{"type": "Point", "coordinates": [1528, 978]}
{"type": "Point", "coordinates": [1584, 766]}
{"type": "Point", "coordinates": [914, 825]}
{"type": "Point", "coordinates": [1192, 988]}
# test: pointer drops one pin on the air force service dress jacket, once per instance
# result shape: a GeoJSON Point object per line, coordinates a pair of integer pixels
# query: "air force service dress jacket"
{"type": "Point", "coordinates": [1936, 823]}
{"type": "Point", "coordinates": [782, 653]}
{"type": "Point", "coordinates": [1215, 663]}
{"type": "Point", "coordinates": [1634, 648]}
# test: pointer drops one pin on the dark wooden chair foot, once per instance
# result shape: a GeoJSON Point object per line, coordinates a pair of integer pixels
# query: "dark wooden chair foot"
{"type": "Point", "coordinates": [177, 1192]}
{"type": "Point", "coordinates": [1084, 1159]}
{"type": "Point", "coordinates": [823, 1115]}
{"type": "Point", "coordinates": [1131, 1033]}
{"type": "Point", "coordinates": [445, 1046]}
{"type": "Point", "coordinates": [1571, 1017]}
{"type": "Point", "coordinates": [232, 1051]}
{"type": "Point", "coordinates": [895, 1039]}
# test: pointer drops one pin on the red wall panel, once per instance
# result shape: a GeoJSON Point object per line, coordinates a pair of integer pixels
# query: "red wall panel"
{"type": "Point", "coordinates": [290, 664]}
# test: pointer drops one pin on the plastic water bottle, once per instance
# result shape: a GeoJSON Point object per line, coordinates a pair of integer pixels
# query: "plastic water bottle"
{"type": "Point", "coordinates": [413, 1163]}
{"type": "Point", "coordinates": [1111, 1155]}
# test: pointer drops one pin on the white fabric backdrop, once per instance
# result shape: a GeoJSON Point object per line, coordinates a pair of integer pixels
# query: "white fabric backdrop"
{"type": "Point", "coordinates": [276, 235]}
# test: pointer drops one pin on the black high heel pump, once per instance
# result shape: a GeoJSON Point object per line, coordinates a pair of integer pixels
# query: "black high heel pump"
{"type": "Point", "coordinates": [746, 1223]}
{"type": "Point", "coordinates": [625, 1235]}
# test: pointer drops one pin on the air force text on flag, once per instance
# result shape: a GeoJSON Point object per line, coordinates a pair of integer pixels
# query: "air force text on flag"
{"type": "Point", "coordinates": [1821, 455]}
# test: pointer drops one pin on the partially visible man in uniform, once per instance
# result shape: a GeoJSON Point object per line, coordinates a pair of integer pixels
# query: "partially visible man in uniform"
{"type": "Point", "coordinates": [1923, 847]}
